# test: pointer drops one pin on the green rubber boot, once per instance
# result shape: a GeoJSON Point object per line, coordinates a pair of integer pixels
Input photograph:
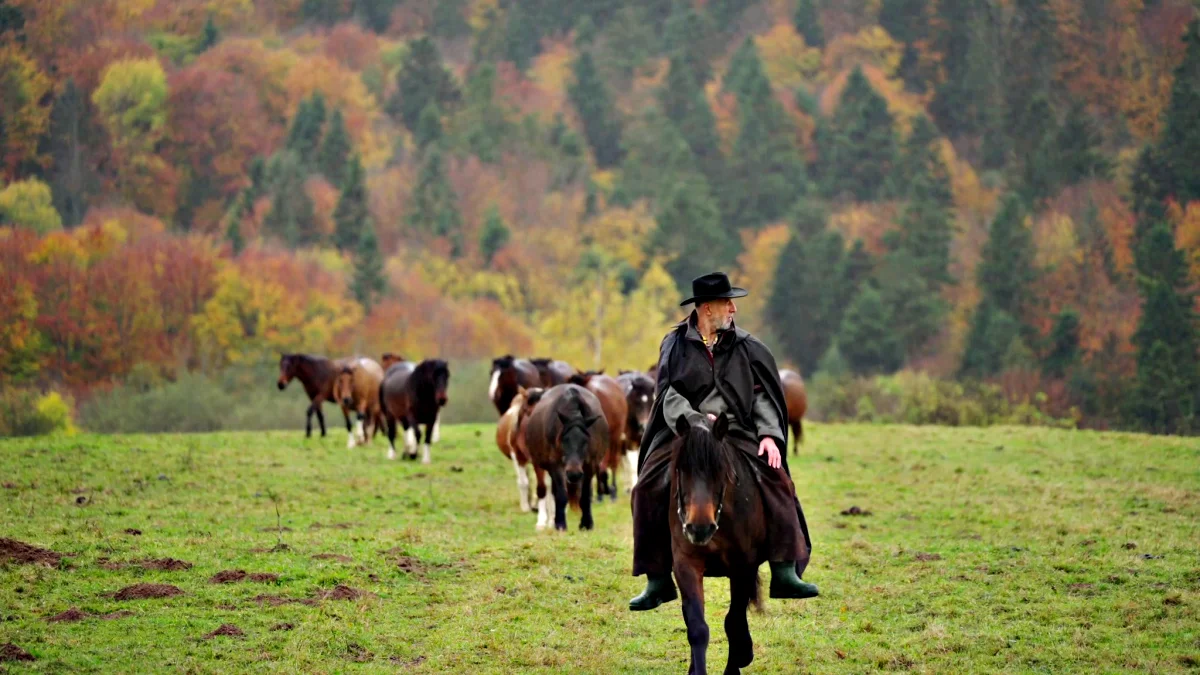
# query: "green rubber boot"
{"type": "Point", "coordinates": [658, 590]}
{"type": "Point", "coordinates": [785, 583]}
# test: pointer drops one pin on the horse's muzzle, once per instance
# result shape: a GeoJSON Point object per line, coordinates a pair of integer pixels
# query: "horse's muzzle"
{"type": "Point", "coordinates": [574, 476]}
{"type": "Point", "coordinates": [348, 402]}
{"type": "Point", "coordinates": [281, 385]}
{"type": "Point", "coordinates": [441, 401]}
{"type": "Point", "coordinates": [700, 534]}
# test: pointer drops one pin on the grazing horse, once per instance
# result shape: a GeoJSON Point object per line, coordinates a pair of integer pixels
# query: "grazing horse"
{"type": "Point", "coordinates": [717, 530]}
{"type": "Point", "coordinates": [357, 387]}
{"type": "Point", "coordinates": [414, 394]}
{"type": "Point", "coordinates": [612, 402]}
{"type": "Point", "coordinates": [553, 372]}
{"type": "Point", "coordinates": [796, 399]}
{"type": "Point", "coordinates": [317, 374]}
{"type": "Point", "coordinates": [510, 438]}
{"type": "Point", "coordinates": [567, 436]}
{"type": "Point", "coordinates": [508, 375]}
{"type": "Point", "coordinates": [639, 395]}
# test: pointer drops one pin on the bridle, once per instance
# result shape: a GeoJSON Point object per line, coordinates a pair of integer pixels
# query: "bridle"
{"type": "Point", "coordinates": [679, 500]}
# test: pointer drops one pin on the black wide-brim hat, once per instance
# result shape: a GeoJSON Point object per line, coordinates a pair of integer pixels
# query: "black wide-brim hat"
{"type": "Point", "coordinates": [713, 286]}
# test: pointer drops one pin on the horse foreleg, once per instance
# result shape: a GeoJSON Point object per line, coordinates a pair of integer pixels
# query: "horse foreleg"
{"type": "Point", "coordinates": [308, 415]}
{"type": "Point", "coordinates": [522, 483]}
{"type": "Point", "coordinates": [691, 589]}
{"type": "Point", "coordinates": [613, 466]}
{"type": "Point", "coordinates": [543, 520]}
{"type": "Point", "coordinates": [425, 445]}
{"type": "Point", "coordinates": [585, 501]}
{"type": "Point", "coordinates": [391, 434]}
{"type": "Point", "coordinates": [737, 629]}
{"type": "Point", "coordinates": [558, 484]}
{"type": "Point", "coordinates": [410, 438]}
{"type": "Point", "coordinates": [631, 465]}
{"type": "Point", "coordinates": [437, 428]}
{"type": "Point", "coordinates": [320, 416]}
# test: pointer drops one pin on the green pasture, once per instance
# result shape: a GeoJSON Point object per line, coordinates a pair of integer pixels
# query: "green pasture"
{"type": "Point", "coordinates": [1023, 550]}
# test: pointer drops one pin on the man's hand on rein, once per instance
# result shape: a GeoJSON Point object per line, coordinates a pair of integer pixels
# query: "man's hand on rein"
{"type": "Point", "coordinates": [768, 446]}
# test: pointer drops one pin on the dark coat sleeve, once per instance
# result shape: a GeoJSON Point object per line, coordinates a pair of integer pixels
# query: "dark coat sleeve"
{"type": "Point", "coordinates": [766, 375]}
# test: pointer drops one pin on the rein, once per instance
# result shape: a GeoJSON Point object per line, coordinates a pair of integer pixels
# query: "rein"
{"type": "Point", "coordinates": [679, 500]}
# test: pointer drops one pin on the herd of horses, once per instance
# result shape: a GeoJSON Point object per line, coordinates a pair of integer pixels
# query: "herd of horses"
{"type": "Point", "coordinates": [575, 426]}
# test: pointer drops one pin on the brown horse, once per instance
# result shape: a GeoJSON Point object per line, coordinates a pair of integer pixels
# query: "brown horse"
{"type": "Point", "coordinates": [616, 410]}
{"type": "Point", "coordinates": [508, 375]}
{"type": "Point", "coordinates": [717, 530]}
{"type": "Point", "coordinates": [317, 374]}
{"type": "Point", "coordinates": [510, 438]}
{"type": "Point", "coordinates": [414, 395]}
{"type": "Point", "coordinates": [567, 436]}
{"type": "Point", "coordinates": [357, 387]}
{"type": "Point", "coordinates": [553, 372]}
{"type": "Point", "coordinates": [796, 398]}
{"type": "Point", "coordinates": [639, 395]}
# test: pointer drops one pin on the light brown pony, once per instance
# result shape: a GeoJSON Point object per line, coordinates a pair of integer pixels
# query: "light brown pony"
{"type": "Point", "coordinates": [616, 410]}
{"type": "Point", "coordinates": [357, 387]}
{"type": "Point", "coordinates": [566, 436]}
{"type": "Point", "coordinates": [510, 438]}
{"type": "Point", "coordinates": [796, 398]}
{"type": "Point", "coordinates": [317, 374]}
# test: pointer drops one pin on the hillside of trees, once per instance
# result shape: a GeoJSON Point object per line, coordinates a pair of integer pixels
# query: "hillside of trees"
{"type": "Point", "coordinates": [1000, 191]}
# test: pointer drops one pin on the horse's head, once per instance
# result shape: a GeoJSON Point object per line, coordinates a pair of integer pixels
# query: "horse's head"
{"type": "Point", "coordinates": [503, 380]}
{"type": "Point", "coordinates": [388, 359]}
{"type": "Point", "coordinates": [701, 473]}
{"type": "Point", "coordinates": [575, 439]}
{"type": "Point", "coordinates": [640, 399]}
{"type": "Point", "coordinates": [436, 376]}
{"type": "Point", "coordinates": [343, 386]}
{"type": "Point", "coordinates": [287, 370]}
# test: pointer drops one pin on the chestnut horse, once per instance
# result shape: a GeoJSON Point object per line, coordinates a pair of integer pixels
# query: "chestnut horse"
{"type": "Point", "coordinates": [357, 387]}
{"type": "Point", "coordinates": [616, 410]}
{"type": "Point", "coordinates": [566, 436]}
{"type": "Point", "coordinates": [717, 530]}
{"type": "Point", "coordinates": [796, 399]}
{"type": "Point", "coordinates": [639, 396]}
{"type": "Point", "coordinates": [553, 372]}
{"type": "Point", "coordinates": [510, 438]}
{"type": "Point", "coordinates": [414, 394]}
{"type": "Point", "coordinates": [508, 375]}
{"type": "Point", "coordinates": [317, 374]}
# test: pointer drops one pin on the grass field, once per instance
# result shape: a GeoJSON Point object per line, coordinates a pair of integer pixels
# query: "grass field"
{"type": "Point", "coordinates": [985, 550]}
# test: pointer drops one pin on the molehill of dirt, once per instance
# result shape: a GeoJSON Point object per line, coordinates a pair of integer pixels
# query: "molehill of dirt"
{"type": "Point", "coordinates": [234, 576]}
{"type": "Point", "coordinates": [277, 600]}
{"type": "Point", "coordinates": [21, 553]}
{"type": "Point", "coordinates": [282, 626]}
{"type": "Point", "coordinates": [73, 614]}
{"type": "Point", "coordinates": [226, 629]}
{"type": "Point", "coordinates": [143, 591]}
{"type": "Point", "coordinates": [333, 556]}
{"type": "Point", "coordinates": [343, 592]}
{"type": "Point", "coordinates": [161, 565]}
{"type": "Point", "coordinates": [11, 652]}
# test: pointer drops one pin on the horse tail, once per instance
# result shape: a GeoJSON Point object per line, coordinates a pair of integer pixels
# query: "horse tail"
{"type": "Point", "coordinates": [756, 592]}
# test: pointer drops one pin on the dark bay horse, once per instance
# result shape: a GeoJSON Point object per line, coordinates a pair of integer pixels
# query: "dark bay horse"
{"type": "Point", "coordinates": [414, 394]}
{"type": "Point", "coordinates": [566, 436]}
{"type": "Point", "coordinates": [717, 530]}
{"type": "Point", "coordinates": [795, 397]}
{"type": "Point", "coordinates": [317, 374]}
{"type": "Point", "coordinates": [639, 397]}
{"type": "Point", "coordinates": [612, 402]}
{"type": "Point", "coordinates": [509, 374]}
{"type": "Point", "coordinates": [553, 372]}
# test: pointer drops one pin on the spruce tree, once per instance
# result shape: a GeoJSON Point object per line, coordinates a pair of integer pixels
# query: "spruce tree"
{"type": "Point", "coordinates": [687, 37]}
{"type": "Point", "coordinates": [72, 179]}
{"type": "Point", "coordinates": [857, 268]}
{"type": "Point", "coordinates": [433, 208]}
{"type": "Point", "coordinates": [335, 149]}
{"type": "Point", "coordinates": [866, 338]}
{"type": "Point", "coordinates": [494, 236]}
{"type": "Point", "coordinates": [449, 19]}
{"type": "Point", "coordinates": [917, 309]}
{"type": "Point", "coordinates": [688, 227]}
{"type": "Point", "coordinates": [920, 158]}
{"type": "Point", "coordinates": [209, 37]}
{"type": "Point", "coordinates": [1078, 142]}
{"type": "Point", "coordinates": [376, 14]}
{"type": "Point", "coordinates": [233, 234]}
{"type": "Point", "coordinates": [422, 80]}
{"type": "Point", "coordinates": [803, 309]}
{"type": "Point", "coordinates": [1064, 344]}
{"type": "Point", "coordinates": [304, 138]}
{"type": "Point", "coordinates": [990, 338]}
{"type": "Point", "coordinates": [429, 126]}
{"type": "Point", "coordinates": [808, 23]}
{"type": "Point", "coordinates": [657, 158]}
{"type": "Point", "coordinates": [351, 214]}
{"type": "Point", "coordinates": [863, 152]}
{"type": "Point", "coordinates": [1179, 147]}
{"type": "Point", "coordinates": [291, 217]}
{"type": "Point", "coordinates": [369, 281]}
{"type": "Point", "coordinates": [601, 124]}
{"type": "Point", "coordinates": [683, 101]}
{"type": "Point", "coordinates": [483, 120]}
{"type": "Point", "coordinates": [522, 37]}
{"type": "Point", "coordinates": [926, 231]}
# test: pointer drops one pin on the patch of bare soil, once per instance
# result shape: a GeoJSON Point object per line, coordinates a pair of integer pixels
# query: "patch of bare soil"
{"type": "Point", "coordinates": [282, 626]}
{"type": "Point", "coordinates": [71, 615]}
{"type": "Point", "coordinates": [144, 591]}
{"type": "Point", "coordinates": [406, 662]}
{"type": "Point", "coordinates": [132, 531]}
{"type": "Point", "coordinates": [342, 592]}
{"type": "Point", "coordinates": [21, 553]}
{"type": "Point", "coordinates": [11, 652]}
{"type": "Point", "coordinates": [358, 653]}
{"type": "Point", "coordinates": [333, 556]}
{"type": "Point", "coordinates": [162, 564]}
{"type": "Point", "coordinates": [233, 576]}
{"type": "Point", "coordinates": [928, 557]}
{"type": "Point", "coordinates": [335, 526]}
{"type": "Point", "coordinates": [226, 629]}
{"type": "Point", "coordinates": [855, 511]}
{"type": "Point", "coordinates": [277, 600]}
{"type": "Point", "coordinates": [116, 615]}
{"type": "Point", "coordinates": [277, 548]}
{"type": "Point", "coordinates": [276, 529]}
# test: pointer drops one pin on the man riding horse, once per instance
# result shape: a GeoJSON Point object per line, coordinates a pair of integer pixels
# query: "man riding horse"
{"type": "Point", "coordinates": [706, 367]}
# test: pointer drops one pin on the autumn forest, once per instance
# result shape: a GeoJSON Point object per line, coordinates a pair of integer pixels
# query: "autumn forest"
{"type": "Point", "coordinates": [979, 199]}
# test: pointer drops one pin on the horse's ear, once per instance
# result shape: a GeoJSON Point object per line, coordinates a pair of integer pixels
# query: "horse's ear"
{"type": "Point", "coordinates": [682, 426]}
{"type": "Point", "coordinates": [589, 421]}
{"type": "Point", "coordinates": [721, 426]}
{"type": "Point", "coordinates": [563, 418]}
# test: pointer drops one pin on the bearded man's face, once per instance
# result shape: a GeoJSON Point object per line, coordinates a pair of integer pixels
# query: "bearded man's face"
{"type": "Point", "coordinates": [721, 313]}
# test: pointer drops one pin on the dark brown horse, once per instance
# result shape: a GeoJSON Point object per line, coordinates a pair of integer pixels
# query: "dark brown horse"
{"type": "Point", "coordinates": [639, 395]}
{"type": "Point", "coordinates": [612, 402]}
{"type": "Point", "coordinates": [318, 375]}
{"type": "Point", "coordinates": [553, 372]}
{"type": "Point", "coordinates": [717, 530]}
{"type": "Point", "coordinates": [414, 394]}
{"type": "Point", "coordinates": [796, 398]}
{"type": "Point", "coordinates": [509, 374]}
{"type": "Point", "coordinates": [566, 436]}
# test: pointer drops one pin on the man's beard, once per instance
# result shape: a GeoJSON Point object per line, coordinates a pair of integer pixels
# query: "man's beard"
{"type": "Point", "coordinates": [726, 324]}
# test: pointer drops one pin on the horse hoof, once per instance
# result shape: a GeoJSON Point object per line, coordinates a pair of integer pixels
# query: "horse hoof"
{"type": "Point", "coordinates": [560, 528]}
{"type": "Point", "coordinates": [586, 526]}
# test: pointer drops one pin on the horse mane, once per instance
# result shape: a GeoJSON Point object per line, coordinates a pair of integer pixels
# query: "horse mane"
{"type": "Point", "coordinates": [540, 362]}
{"type": "Point", "coordinates": [699, 453]}
{"type": "Point", "coordinates": [429, 366]}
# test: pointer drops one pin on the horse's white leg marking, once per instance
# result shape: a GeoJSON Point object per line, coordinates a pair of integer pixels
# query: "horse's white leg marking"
{"type": "Point", "coordinates": [542, 518]}
{"type": "Point", "coordinates": [436, 435]}
{"type": "Point", "coordinates": [631, 459]}
{"type": "Point", "coordinates": [494, 385]}
{"type": "Point", "coordinates": [410, 440]}
{"type": "Point", "coordinates": [391, 450]}
{"type": "Point", "coordinates": [550, 507]}
{"type": "Point", "coordinates": [425, 453]}
{"type": "Point", "coordinates": [522, 484]}
{"type": "Point", "coordinates": [362, 433]}
{"type": "Point", "coordinates": [350, 440]}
